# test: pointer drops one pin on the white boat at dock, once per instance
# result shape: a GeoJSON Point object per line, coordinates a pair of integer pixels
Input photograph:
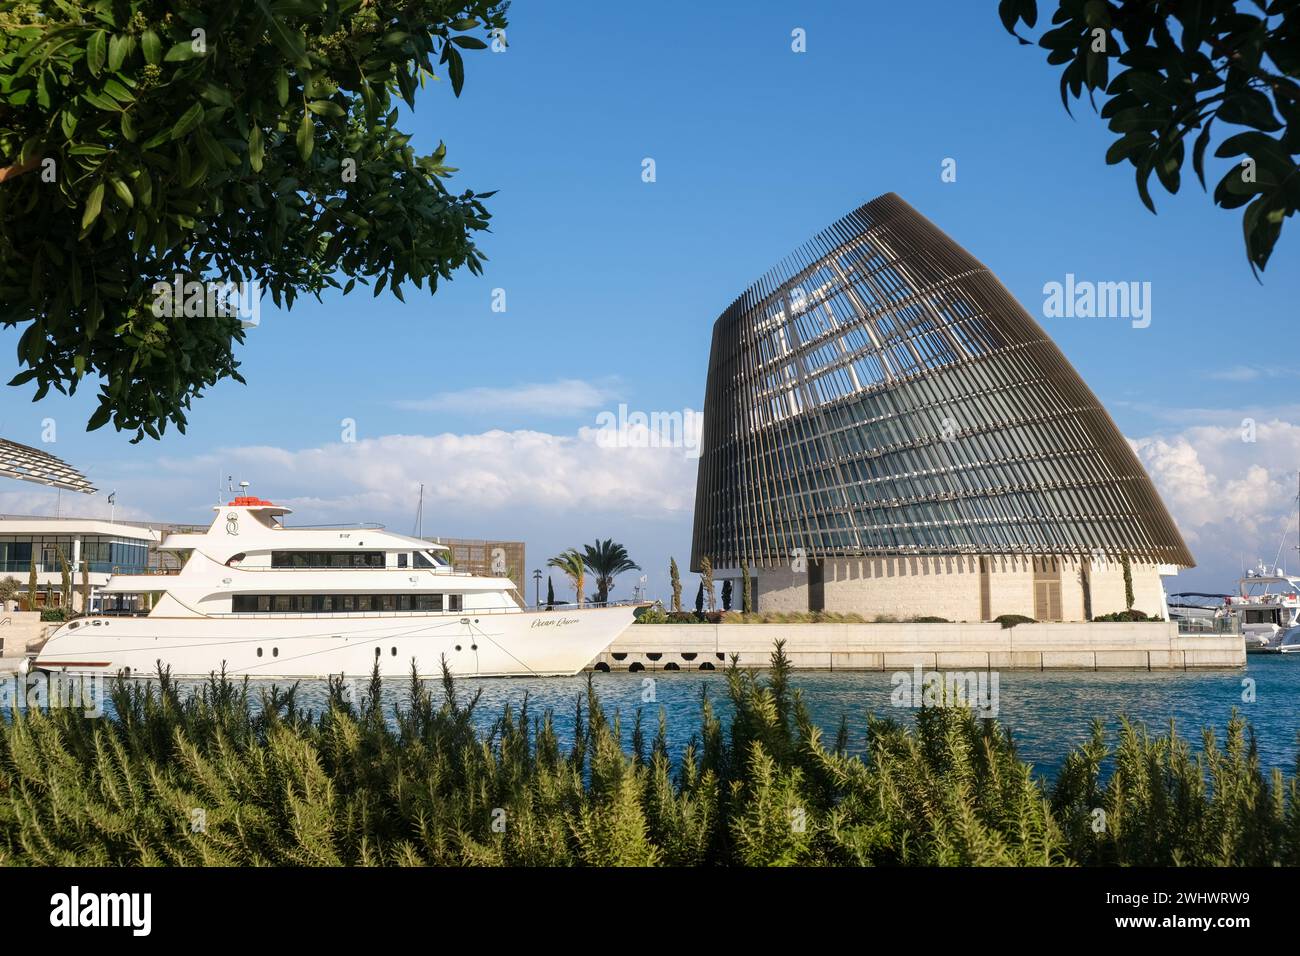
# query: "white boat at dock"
{"type": "Point", "coordinates": [257, 597]}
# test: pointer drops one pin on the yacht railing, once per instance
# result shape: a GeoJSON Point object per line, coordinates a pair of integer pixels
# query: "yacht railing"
{"type": "Point", "coordinates": [362, 526]}
{"type": "Point", "coordinates": [463, 614]}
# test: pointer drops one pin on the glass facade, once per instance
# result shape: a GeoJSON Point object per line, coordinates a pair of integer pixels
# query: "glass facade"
{"type": "Point", "coordinates": [105, 554]}
{"type": "Point", "coordinates": [880, 392]}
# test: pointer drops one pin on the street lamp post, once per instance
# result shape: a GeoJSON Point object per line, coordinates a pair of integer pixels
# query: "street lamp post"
{"type": "Point", "coordinates": [537, 587]}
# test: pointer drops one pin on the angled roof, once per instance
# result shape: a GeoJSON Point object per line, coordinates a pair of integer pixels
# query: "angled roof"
{"type": "Point", "coordinates": [32, 464]}
{"type": "Point", "coordinates": [879, 391]}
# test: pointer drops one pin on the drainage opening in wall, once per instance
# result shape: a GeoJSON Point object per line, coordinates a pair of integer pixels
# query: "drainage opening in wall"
{"type": "Point", "coordinates": [671, 666]}
{"type": "Point", "coordinates": [602, 667]}
{"type": "Point", "coordinates": [706, 666]}
{"type": "Point", "coordinates": [636, 666]}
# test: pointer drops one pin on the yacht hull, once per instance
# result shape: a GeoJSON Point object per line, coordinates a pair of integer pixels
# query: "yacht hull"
{"type": "Point", "coordinates": [519, 644]}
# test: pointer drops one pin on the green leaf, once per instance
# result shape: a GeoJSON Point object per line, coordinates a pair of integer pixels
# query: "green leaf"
{"type": "Point", "coordinates": [123, 193]}
{"type": "Point", "coordinates": [95, 51]}
{"type": "Point", "coordinates": [306, 138]}
{"type": "Point", "coordinates": [100, 101]}
{"type": "Point", "coordinates": [101, 416]}
{"type": "Point", "coordinates": [152, 47]}
{"type": "Point", "coordinates": [216, 94]}
{"type": "Point", "coordinates": [326, 108]}
{"type": "Point", "coordinates": [256, 148]}
{"type": "Point", "coordinates": [119, 92]}
{"type": "Point", "coordinates": [118, 47]}
{"type": "Point", "coordinates": [456, 70]}
{"type": "Point", "coordinates": [282, 87]}
{"type": "Point", "coordinates": [93, 203]}
{"type": "Point", "coordinates": [181, 51]}
{"type": "Point", "coordinates": [289, 42]}
{"type": "Point", "coordinates": [189, 119]}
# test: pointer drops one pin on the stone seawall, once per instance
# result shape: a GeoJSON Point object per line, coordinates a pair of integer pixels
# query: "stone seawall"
{"type": "Point", "coordinates": [20, 631]}
{"type": "Point", "coordinates": [1080, 646]}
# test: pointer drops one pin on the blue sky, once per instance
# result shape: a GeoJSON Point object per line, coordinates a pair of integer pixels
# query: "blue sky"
{"type": "Point", "coordinates": [612, 284]}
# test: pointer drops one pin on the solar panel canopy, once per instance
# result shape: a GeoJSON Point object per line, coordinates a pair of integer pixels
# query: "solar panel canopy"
{"type": "Point", "coordinates": [32, 464]}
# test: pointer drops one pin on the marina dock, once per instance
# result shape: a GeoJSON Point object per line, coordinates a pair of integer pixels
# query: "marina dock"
{"type": "Point", "coordinates": [1067, 646]}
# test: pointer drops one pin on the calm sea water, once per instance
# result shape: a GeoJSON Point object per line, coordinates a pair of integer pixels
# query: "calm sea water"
{"type": "Point", "coordinates": [1047, 713]}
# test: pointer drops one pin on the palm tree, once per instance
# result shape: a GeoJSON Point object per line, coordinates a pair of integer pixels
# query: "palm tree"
{"type": "Point", "coordinates": [606, 560]}
{"type": "Point", "coordinates": [569, 561]}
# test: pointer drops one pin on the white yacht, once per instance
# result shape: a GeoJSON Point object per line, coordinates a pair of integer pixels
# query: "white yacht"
{"type": "Point", "coordinates": [1267, 607]}
{"type": "Point", "coordinates": [264, 599]}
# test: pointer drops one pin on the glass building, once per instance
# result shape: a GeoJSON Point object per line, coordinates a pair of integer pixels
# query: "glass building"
{"type": "Point", "coordinates": [92, 549]}
{"type": "Point", "coordinates": [888, 431]}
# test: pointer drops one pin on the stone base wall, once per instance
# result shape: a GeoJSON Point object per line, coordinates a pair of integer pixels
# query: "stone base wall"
{"type": "Point", "coordinates": [1086, 646]}
{"type": "Point", "coordinates": [21, 631]}
{"type": "Point", "coordinates": [952, 587]}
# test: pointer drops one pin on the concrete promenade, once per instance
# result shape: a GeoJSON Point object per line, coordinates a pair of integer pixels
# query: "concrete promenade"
{"type": "Point", "coordinates": [1078, 646]}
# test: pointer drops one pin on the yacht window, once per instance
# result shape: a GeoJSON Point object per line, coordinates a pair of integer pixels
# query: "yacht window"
{"type": "Point", "coordinates": [422, 560]}
{"type": "Point", "coordinates": [342, 603]}
{"type": "Point", "coordinates": [401, 560]}
{"type": "Point", "coordinates": [327, 559]}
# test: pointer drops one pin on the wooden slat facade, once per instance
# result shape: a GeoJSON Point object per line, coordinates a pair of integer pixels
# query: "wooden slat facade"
{"type": "Point", "coordinates": [880, 392]}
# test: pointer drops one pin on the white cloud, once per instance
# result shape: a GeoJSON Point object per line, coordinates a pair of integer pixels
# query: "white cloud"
{"type": "Point", "coordinates": [1242, 373]}
{"type": "Point", "coordinates": [568, 396]}
{"type": "Point", "coordinates": [377, 478]}
{"type": "Point", "coordinates": [1193, 416]}
{"type": "Point", "coordinates": [1233, 500]}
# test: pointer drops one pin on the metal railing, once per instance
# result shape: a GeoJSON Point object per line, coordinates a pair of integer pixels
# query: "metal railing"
{"type": "Point", "coordinates": [464, 613]}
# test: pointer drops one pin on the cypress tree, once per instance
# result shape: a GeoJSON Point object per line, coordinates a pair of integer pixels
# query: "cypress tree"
{"type": "Point", "coordinates": [65, 581]}
{"type": "Point", "coordinates": [1128, 583]}
{"type": "Point", "coordinates": [676, 579]}
{"type": "Point", "coordinates": [726, 595]}
{"type": "Point", "coordinates": [746, 594]}
{"type": "Point", "coordinates": [706, 578]}
{"type": "Point", "coordinates": [31, 584]}
{"type": "Point", "coordinates": [550, 593]}
{"type": "Point", "coordinates": [699, 599]}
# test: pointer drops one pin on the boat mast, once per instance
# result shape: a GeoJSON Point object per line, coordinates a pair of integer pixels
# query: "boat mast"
{"type": "Point", "coordinates": [419, 513]}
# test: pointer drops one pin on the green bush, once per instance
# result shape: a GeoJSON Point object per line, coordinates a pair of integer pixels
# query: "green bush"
{"type": "Point", "coordinates": [353, 785]}
{"type": "Point", "coordinates": [1131, 615]}
{"type": "Point", "coordinates": [1011, 620]}
{"type": "Point", "coordinates": [53, 614]}
{"type": "Point", "coordinates": [928, 619]}
{"type": "Point", "coordinates": [654, 614]}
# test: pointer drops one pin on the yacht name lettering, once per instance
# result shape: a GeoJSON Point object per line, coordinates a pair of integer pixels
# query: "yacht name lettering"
{"type": "Point", "coordinates": [555, 622]}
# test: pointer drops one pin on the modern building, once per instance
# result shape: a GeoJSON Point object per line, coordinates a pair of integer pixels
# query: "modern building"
{"type": "Point", "coordinates": [489, 558]}
{"type": "Point", "coordinates": [888, 432]}
{"type": "Point", "coordinates": [87, 546]}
